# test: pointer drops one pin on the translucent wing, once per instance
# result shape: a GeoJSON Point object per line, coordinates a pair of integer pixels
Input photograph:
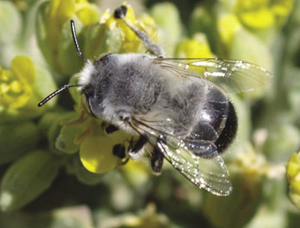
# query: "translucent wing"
{"type": "Point", "coordinates": [234, 76]}
{"type": "Point", "coordinates": [210, 174]}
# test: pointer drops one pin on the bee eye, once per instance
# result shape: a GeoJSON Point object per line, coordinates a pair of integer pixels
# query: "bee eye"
{"type": "Point", "coordinates": [88, 91]}
{"type": "Point", "coordinates": [86, 105]}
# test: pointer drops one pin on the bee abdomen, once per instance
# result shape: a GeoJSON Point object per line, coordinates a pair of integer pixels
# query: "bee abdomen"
{"type": "Point", "coordinates": [229, 131]}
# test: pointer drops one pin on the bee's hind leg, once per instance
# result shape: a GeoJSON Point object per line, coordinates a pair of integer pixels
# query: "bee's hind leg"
{"type": "Point", "coordinates": [151, 46]}
{"type": "Point", "coordinates": [134, 149]}
{"type": "Point", "coordinates": [157, 161]}
{"type": "Point", "coordinates": [155, 155]}
{"type": "Point", "coordinates": [119, 150]}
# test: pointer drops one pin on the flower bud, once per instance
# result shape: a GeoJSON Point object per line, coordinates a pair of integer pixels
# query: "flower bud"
{"type": "Point", "coordinates": [60, 138]}
{"type": "Point", "coordinates": [65, 141]}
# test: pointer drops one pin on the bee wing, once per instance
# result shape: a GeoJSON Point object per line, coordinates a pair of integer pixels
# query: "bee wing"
{"type": "Point", "coordinates": [210, 174]}
{"type": "Point", "coordinates": [234, 76]}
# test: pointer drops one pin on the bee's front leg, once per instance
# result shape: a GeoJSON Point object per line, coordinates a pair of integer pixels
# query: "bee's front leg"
{"type": "Point", "coordinates": [151, 46]}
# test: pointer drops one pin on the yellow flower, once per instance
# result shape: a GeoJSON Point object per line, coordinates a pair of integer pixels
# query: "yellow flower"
{"type": "Point", "coordinates": [14, 88]}
{"type": "Point", "coordinates": [261, 14]}
{"type": "Point", "coordinates": [293, 176]}
{"type": "Point", "coordinates": [95, 146]}
{"type": "Point", "coordinates": [20, 89]}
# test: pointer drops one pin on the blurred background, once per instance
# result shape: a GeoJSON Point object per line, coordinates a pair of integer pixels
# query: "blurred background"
{"type": "Point", "coordinates": [57, 169]}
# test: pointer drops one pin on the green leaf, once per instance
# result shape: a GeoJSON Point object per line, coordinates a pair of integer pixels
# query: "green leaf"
{"type": "Point", "coordinates": [26, 179]}
{"type": "Point", "coordinates": [17, 139]}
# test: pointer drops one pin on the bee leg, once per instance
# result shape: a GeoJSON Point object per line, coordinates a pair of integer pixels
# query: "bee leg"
{"type": "Point", "coordinates": [134, 149]}
{"type": "Point", "coordinates": [157, 161]}
{"type": "Point", "coordinates": [152, 47]}
{"type": "Point", "coordinates": [119, 150]}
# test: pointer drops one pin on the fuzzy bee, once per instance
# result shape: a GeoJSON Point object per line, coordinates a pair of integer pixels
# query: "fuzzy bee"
{"type": "Point", "coordinates": [179, 114]}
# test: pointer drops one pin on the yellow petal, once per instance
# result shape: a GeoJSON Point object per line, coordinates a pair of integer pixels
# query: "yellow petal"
{"type": "Point", "coordinates": [197, 47]}
{"type": "Point", "coordinates": [228, 25]}
{"type": "Point", "coordinates": [96, 154]}
{"type": "Point", "coordinates": [24, 69]}
{"type": "Point", "coordinates": [62, 10]}
{"type": "Point", "coordinates": [88, 14]}
{"type": "Point", "coordinates": [14, 102]}
{"type": "Point", "coordinates": [57, 15]}
{"type": "Point", "coordinates": [258, 19]}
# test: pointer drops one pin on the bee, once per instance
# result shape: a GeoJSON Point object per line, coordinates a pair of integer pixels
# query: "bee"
{"type": "Point", "coordinates": [179, 114]}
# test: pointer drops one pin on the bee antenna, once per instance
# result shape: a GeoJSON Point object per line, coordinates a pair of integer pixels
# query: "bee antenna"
{"type": "Point", "coordinates": [50, 96]}
{"type": "Point", "coordinates": [73, 30]}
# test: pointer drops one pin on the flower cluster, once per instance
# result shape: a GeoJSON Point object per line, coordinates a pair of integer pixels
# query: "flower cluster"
{"type": "Point", "coordinates": [20, 90]}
